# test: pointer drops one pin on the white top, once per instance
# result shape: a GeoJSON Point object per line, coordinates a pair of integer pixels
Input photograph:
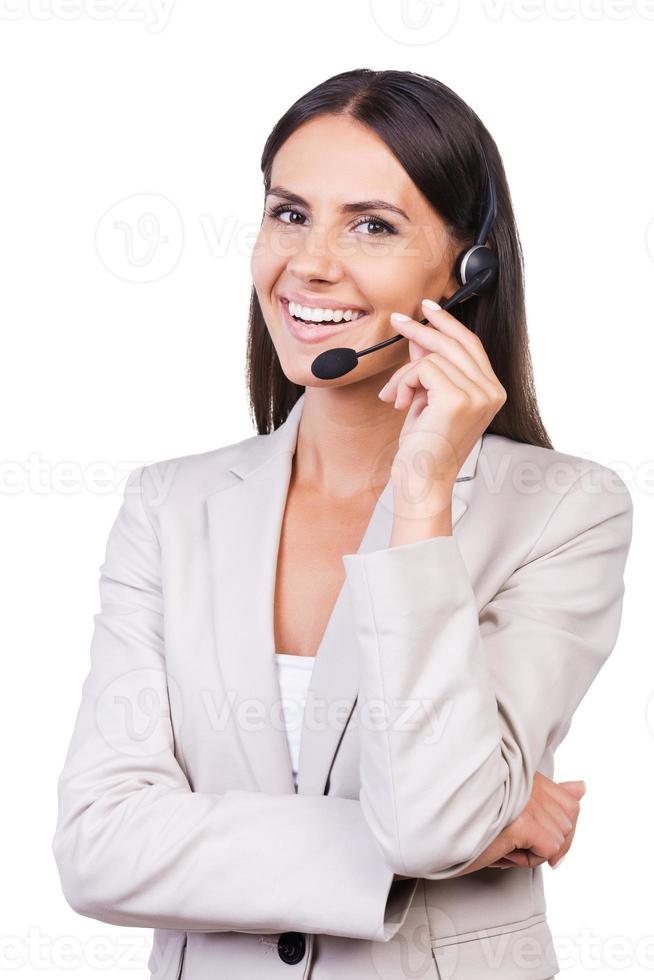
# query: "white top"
{"type": "Point", "coordinates": [294, 674]}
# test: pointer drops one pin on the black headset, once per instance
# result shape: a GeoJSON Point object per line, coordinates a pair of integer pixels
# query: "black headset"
{"type": "Point", "coordinates": [476, 270]}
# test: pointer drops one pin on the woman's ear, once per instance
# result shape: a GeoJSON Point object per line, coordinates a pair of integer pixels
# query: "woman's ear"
{"type": "Point", "coordinates": [449, 289]}
{"type": "Point", "coordinates": [436, 289]}
{"type": "Point", "coordinates": [452, 284]}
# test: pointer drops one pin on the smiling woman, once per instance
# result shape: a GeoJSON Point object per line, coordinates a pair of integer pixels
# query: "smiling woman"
{"type": "Point", "coordinates": [375, 526]}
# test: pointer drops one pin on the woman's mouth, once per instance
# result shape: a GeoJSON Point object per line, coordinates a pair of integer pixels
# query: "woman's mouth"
{"type": "Point", "coordinates": [312, 331]}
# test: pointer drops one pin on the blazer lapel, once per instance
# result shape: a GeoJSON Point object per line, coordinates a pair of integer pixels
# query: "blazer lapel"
{"type": "Point", "coordinates": [245, 518]}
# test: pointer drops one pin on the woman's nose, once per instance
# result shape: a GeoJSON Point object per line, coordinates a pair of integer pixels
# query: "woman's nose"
{"type": "Point", "coordinates": [313, 257]}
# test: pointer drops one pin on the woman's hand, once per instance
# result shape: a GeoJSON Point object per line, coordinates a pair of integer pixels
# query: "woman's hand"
{"type": "Point", "coordinates": [452, 393]}
{"type": "Point", "coordinates": [545, 829]}
{"type": "Point", "coordinates": [543, 832]}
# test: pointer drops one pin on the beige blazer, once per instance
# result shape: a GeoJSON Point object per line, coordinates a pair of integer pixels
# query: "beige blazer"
{"type": "Point", "coordinates": [448, 674]}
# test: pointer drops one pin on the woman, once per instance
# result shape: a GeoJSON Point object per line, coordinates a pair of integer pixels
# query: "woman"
{"type": "Point", "coordinates": [407, 532]}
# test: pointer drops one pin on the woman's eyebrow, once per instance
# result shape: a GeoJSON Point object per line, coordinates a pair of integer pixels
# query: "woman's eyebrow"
{"type": "Point", "coordinates": [354, 206]}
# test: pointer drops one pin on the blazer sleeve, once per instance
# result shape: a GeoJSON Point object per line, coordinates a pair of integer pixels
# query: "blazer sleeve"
{"type": "Point", "coordinates": [135, 846]}
{"type": "Point", "coordinates": [474, 698]}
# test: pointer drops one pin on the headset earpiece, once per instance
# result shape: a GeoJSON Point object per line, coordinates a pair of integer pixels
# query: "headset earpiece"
{"type": "Point", "coordinates": [474, 261]}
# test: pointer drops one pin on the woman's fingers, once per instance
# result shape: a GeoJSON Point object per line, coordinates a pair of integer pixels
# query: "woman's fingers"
{"type": "Point", "coordinates": [569, 836]}
{"type": "Point", "coordinates": [517, 858]}
{"type": "Point", "coordinates": [528, 858]}
{"type": "Point", "coordinates": [570, 792]}
{"type": "Point", "coordinates": [430, 372]}
{"type": "Point", "coordinates": [546, 828]}
{"type": "Point", "coordinates": [567, 793]}
{"type": "Point", "coordinates": [566, 797]}
{"type": "Point", "coordinates": [454, 329]}
{"type": "Point", "coordinates": [542, 835]}
{"type": "Point", "coordinates": [557, 812]}
{"type": "Point", "coordinates": [416, 350]}
{"type": "Point", "coordinates": [407, 376]}
{"type": "Point", "coordinates": [561, 800]}
{"type": "Point", "coordinates": [453, 356]}
{"type": "Point", "coordinates": [554, 859]}
{"type": "Point", "coordinates": [421, 374]}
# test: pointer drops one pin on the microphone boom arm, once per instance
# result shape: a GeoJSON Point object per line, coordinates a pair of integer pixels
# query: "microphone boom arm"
{"type": "Point", "coordinates": [463, 293]}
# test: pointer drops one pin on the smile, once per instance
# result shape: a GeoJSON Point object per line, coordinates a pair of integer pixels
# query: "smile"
{"type": "Point", "coordinates": [313, 332]}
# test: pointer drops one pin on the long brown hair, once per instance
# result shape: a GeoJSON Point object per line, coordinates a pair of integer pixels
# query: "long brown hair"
{"type": "Point", "coordinates": [437, 138]}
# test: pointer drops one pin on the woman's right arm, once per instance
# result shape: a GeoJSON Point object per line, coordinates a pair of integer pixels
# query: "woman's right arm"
{"type": "Point", "coordinates": [135, 846]}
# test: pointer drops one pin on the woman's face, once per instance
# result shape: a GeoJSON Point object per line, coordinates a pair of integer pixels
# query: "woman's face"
{"type": "Point", "coordinates": [329, 251]}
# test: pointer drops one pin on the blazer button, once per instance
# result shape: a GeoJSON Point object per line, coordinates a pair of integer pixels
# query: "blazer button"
{"type": "Point", "coordinates": [291, 947]}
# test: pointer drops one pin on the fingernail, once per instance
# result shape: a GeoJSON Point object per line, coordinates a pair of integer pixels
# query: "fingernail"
{"type": "Point", "coordinates": [429, 303]}
{"type": "Point", "coordinates": [558, 862]}
{"type": "Point", "coordinates": [400, 317]}
{"type": "Point", "coordinates": [381, 393]}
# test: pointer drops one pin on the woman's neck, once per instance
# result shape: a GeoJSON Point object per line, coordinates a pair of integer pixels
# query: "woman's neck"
{"type": "Point", "coordinates": [347, 440]}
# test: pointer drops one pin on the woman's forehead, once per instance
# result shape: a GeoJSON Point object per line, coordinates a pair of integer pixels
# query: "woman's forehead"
{"type": "Point", "coordinates": [324, 178]}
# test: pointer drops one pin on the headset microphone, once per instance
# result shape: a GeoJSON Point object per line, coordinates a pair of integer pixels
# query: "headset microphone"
{"type": "Point", "coordinates": [476, 270]}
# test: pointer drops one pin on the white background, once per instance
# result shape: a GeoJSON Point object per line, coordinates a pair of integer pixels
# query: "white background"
{"type": "Point", "coordinates": [114, 358]}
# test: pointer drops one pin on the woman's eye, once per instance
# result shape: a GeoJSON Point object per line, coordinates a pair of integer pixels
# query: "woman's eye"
{"type": "Point", "coordinates": [383, 228]}
{"type": "Point", "coordinates": [289, 211]}
{"type": "Point", "coordinates": [283, 209]}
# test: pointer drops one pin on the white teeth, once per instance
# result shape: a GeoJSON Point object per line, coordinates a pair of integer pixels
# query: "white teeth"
{"type": "Point", "coordinates": [318, 315]}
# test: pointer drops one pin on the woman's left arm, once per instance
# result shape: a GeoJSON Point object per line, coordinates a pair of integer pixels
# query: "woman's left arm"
{"type": "Point", "coordinates": [473, 698]}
